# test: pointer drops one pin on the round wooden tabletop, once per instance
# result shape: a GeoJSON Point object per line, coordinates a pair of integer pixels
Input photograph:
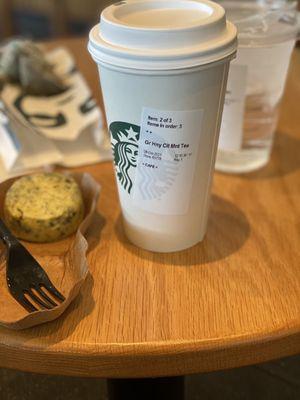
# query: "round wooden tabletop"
{"type": "Point", "coordinates": [230, 301]}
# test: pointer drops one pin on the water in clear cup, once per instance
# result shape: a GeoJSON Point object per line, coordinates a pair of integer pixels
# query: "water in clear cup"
{"type": "Point", "coordinates": [267, 33]}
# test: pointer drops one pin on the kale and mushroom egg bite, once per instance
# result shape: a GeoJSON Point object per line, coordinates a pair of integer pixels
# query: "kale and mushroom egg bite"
{"type": "Point", "coordinates": [43, 207]}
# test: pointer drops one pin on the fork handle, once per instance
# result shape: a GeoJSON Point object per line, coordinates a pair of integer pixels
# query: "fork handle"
{"type": "Point", "coordinates": [5, 234]}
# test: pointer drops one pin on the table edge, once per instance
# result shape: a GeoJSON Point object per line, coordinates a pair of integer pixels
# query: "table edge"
{"type": "Point", "coordinates": [170, 358]}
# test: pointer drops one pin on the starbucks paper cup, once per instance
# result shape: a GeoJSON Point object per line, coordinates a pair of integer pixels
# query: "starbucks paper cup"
{"type": "Point", "coordinates": [163, 69]}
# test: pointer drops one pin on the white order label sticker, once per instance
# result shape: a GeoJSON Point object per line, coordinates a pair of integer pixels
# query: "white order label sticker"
{"type": "Point", "coordinates": [168, 149]}
{"type": "Point", "coordinates": [231, 135]}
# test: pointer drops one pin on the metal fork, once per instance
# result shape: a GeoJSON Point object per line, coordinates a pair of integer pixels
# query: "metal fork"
{"type": "Point", "coordinates": [26, 279]}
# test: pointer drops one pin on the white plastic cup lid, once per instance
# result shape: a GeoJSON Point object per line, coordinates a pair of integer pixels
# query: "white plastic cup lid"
{"type": "Point", "coordinates": [162, 34]}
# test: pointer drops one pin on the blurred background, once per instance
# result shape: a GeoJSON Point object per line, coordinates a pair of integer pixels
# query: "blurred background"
{"type": "Point", "coordinates": [43, 19]}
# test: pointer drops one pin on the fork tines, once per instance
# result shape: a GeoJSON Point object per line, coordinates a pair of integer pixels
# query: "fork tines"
{"type": "Point", "coordinates": [40, 298]}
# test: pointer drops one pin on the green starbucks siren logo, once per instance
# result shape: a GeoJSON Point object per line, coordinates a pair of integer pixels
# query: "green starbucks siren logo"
{"type": "Point", "coordinates": [124, 139]}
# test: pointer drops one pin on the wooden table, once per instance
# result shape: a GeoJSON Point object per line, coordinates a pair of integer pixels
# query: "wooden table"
{"type": "Point", "coordinates": [232, 300]}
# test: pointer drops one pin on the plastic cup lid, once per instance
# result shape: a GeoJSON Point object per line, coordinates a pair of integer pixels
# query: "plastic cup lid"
{"type": "Point", "coordinates": [264, 22]}
{"type": "Point", "coordinates": [162, 34]}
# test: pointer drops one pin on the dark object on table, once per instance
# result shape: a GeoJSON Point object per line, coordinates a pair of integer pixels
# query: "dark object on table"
{"type": "Point", "coordinates": [26, 279]}
{"type": "Point", "coordinates": [24, 63]}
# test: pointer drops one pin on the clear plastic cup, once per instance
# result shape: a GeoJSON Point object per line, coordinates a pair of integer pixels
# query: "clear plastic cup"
{"type": "Point", "coordinates": [267, 31]}
{"type": "Point", "coordinates": [163, 69]}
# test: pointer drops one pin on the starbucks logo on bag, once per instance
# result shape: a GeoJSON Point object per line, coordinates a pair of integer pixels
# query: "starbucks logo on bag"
{"type": "Point", "coordinates": [124, 138]}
